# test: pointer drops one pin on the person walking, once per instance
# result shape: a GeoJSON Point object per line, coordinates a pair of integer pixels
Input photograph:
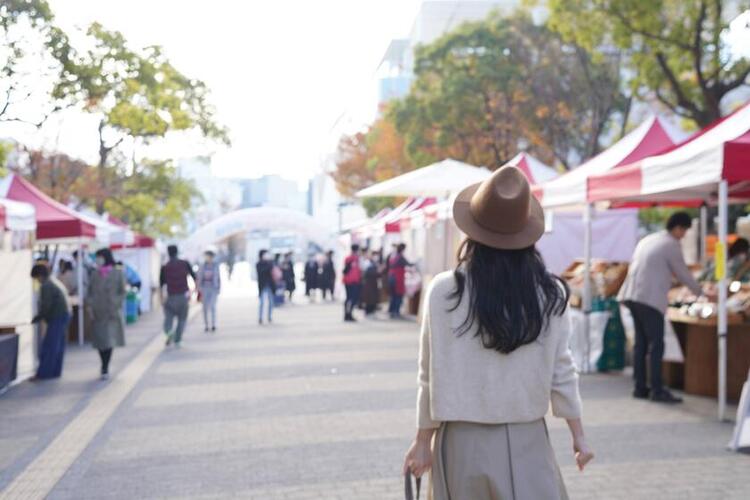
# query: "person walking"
{"type": "Point", "coordinates": [105, 299]}
{"type": "Point", "coordinates": [657, 259]}
{"type": "Point", "coordinates": [174, 278]}
{"type": "Point", "coordinates": [493, 356]}
{"type": "Point", "coordinates": [67, 276]}
{"type": "Point", "coordinates": [352, 282]}
{"type": "Point", "coordinates": [266, 285]}
{"type": "Point", "coordinates": [287, 269]}
{"type": "Point", "coordinates": [311, 276]}
{"type": "Point", "coordinates": [328, 275]}
{"type": "Point", "coordinates": [371, 283]}
{"type": "Point", "coordinates": [54, 310]}
{"type": "Point", "coordinates": [209, 286]}
{"type": "Point", "coordinates": [397, 265]}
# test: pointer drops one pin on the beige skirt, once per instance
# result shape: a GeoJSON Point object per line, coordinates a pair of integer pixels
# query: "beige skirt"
{"type": "Point", "coordinates": [495, 462]}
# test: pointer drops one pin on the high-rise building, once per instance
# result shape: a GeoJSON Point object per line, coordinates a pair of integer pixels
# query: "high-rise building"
{"type": "Point", "coordinates": [435, 18]}
{"type": "Point", "coordinates": [220, 195]}
{"type": "Point", "coordinates": [273, 191]}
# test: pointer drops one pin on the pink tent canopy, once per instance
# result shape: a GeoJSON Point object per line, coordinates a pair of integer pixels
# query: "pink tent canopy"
{"type": "Point", "coordinates": [534, 170]}
{"type": "Point", "coordinates": [649, 138]}
{"type": "Point", "coordinates": [404, 219]}
{"type": "Point", "coordinates": [2, 217]}
{"type": "Point", "coordinates": [689, 172]}
{"type": "Point", "coordinates": [54, 220]}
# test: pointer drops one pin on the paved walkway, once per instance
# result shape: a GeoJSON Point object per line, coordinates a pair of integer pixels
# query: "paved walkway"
{"type": "Point", "coordinates": [307, 408]}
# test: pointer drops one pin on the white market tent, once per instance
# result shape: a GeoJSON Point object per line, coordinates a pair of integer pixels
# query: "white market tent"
{"type": "Point", "coordinates": [712, 166]}
{"type": "Point", "coordinates": [440, 179]}
{"type": "Point", "coordinates": [534, 170]}
{"type": "Point", "coordinates": [18, 216]}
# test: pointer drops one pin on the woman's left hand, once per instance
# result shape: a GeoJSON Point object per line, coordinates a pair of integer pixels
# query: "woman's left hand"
{"type": "Point", "coordinates": [418, 459]}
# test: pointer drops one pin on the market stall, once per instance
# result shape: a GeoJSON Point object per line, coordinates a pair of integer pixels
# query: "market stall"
{"type": "Point", "coordinates": [570, 190]}
{"type": "Point", "coordinates": [56, 224]}
{"type": "Point", "coordinates": [710, 167]}
{"type": "Point", "coordinates": [17, 340]}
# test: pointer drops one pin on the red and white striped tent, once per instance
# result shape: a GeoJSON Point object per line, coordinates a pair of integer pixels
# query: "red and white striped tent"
{"type": "Point", "coordinates": [688, 173]}
{"type": "Point", "coordinates": [534, 170]}
{"type": "Point", "coordinates": [712, 166]}
{"type": "Point", "coordinates": [650, 137]}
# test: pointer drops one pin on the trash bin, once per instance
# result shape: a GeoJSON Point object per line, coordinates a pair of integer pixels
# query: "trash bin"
{"type": "Point", "coordinates": [131, 307]}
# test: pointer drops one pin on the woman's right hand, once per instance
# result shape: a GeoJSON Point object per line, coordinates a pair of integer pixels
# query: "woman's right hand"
{"type": "Point", "coordinates": [582, 452]}
{"type": "Point", "coordinates": [418, 458]}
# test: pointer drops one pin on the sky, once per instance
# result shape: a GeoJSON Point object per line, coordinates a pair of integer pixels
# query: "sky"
{"type": "Point", "coordinates": [282, 73]}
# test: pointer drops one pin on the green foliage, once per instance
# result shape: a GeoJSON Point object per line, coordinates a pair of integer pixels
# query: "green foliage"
{"type": "Point", "coordinates": [376, 204]}
{"type": "Point", "coordinates": [4, 149]}
{"type": "Point", "coordinates": [137, 93]}
{"type": "Point", "coordinates": [153, 200]}
{"type": "Point", "coordinates": [677, 48]}
{"type": "Point", "coordinates": [656, 218]}
{"type": "Point", "coordinates": [489, 88]}
{"type": "Point", "coordinates": [29, 38]}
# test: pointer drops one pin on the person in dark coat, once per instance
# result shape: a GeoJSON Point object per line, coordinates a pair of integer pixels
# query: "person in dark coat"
{"type": "Point", "coordinates": [287, 268]}
{"type": "Point", "coordinates": [328, 275]}
{"type": "Point", "coordinates": [266, 285]}
{"type": "Point", "coordinates": [397, 265]}
{"type": "Point", "coordinates": [54, 310]}
{"type": "Point", "coordinates": [311, 275]}
{"type": "Point", "coordinates": [371, 283]}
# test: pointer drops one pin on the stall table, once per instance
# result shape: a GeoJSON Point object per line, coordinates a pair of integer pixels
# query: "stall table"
{"type": "Point", "coordinates": [699, 372]}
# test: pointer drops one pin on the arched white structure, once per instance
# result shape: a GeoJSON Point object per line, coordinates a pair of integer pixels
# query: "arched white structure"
{"type": "Point", "coordinates": [261, 218]}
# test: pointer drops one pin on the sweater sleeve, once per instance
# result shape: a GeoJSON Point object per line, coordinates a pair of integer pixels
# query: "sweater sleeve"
{"type": "Point", "coordinates": [424, 414]}
{"type": "Point", "coordinates": [565, 397]}
{"type": "Point", "coordinates": [680, 270]}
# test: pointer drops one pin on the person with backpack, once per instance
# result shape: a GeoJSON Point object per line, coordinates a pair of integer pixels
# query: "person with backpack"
{"type": "Point", "coordinates": [352, 282]}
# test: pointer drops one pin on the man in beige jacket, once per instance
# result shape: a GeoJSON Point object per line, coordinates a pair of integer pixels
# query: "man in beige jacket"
{"type": "Point", "coordinates": [657, 259]}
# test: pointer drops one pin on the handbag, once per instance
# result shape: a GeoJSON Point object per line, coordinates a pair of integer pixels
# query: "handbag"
{"type": "Point", "coordinates": [408, 490]}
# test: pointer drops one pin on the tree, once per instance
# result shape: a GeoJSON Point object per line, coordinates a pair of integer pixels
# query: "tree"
{"type": "Point", "coordinates": [136, 93]}
{"type": "Point", "coordinates": [153, 200]}
{"type": "Point", "coordinates": [371, 156]}
{"type": "Point", "coordinates": [32, 54]}
{"type": "Point", "coordinates": [677, 49]}
{"type": "Point", "coordinates": [63, 178]}
{"type": "Point", "coordinates": [493, 87]}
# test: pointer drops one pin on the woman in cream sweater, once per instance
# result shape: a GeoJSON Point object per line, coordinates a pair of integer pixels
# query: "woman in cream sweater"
{"type": "Point", "coordinates": [494, 355]}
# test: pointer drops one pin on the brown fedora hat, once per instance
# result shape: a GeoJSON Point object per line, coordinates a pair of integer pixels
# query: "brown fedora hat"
{"type": "Point", "coordinates": [500, 211]}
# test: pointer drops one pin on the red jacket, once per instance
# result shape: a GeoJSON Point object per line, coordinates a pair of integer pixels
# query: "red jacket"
{"type": "Point", "coordinates": [352, 271]}
{"type": "Point", "coordinates": [397, 273]}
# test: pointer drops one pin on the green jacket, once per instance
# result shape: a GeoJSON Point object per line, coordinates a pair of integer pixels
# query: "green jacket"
{"type": "Point", "coordinates": [53, 301]}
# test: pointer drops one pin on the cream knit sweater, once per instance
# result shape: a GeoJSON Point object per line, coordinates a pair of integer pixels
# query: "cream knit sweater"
{"type": "Point", "coordinates": [461, 380]}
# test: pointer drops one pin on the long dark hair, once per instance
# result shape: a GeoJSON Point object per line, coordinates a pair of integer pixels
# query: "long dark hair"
{"type": "Point", "coordinates": [106, 254]}
{"type": "Point", "coordinates": [511, 294]}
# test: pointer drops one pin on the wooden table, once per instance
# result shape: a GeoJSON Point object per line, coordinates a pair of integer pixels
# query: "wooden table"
{"type": "Point", "coordinates": [699, 373]}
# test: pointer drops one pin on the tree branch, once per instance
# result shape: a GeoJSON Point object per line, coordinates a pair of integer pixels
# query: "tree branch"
{"type": "Point", "coordinates": [682, 100]}
{"type": "Point", "coordinates": [631, 27]}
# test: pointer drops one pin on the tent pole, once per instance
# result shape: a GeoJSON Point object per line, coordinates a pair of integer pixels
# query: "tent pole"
{"type": "Point", "coordinates": [587, 216]}
{"type": "Point", "coordinates": [704, 234]}
{"type": "Point", "coordinates": [722, 312]}
{"type": "Point", "coordinates": [79, 266]}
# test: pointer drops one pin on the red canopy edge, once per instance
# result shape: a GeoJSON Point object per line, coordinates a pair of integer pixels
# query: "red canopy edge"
{"type": "Point", "coordinates": [54, 220]}
{"type": "Point", "coordinates": [2, 217]}
{"type": "Point", "coordinates": [721, 151]}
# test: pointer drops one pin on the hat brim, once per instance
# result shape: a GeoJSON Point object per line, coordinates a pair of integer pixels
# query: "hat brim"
{"type": "Point", "coordinates": [528, 236]}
